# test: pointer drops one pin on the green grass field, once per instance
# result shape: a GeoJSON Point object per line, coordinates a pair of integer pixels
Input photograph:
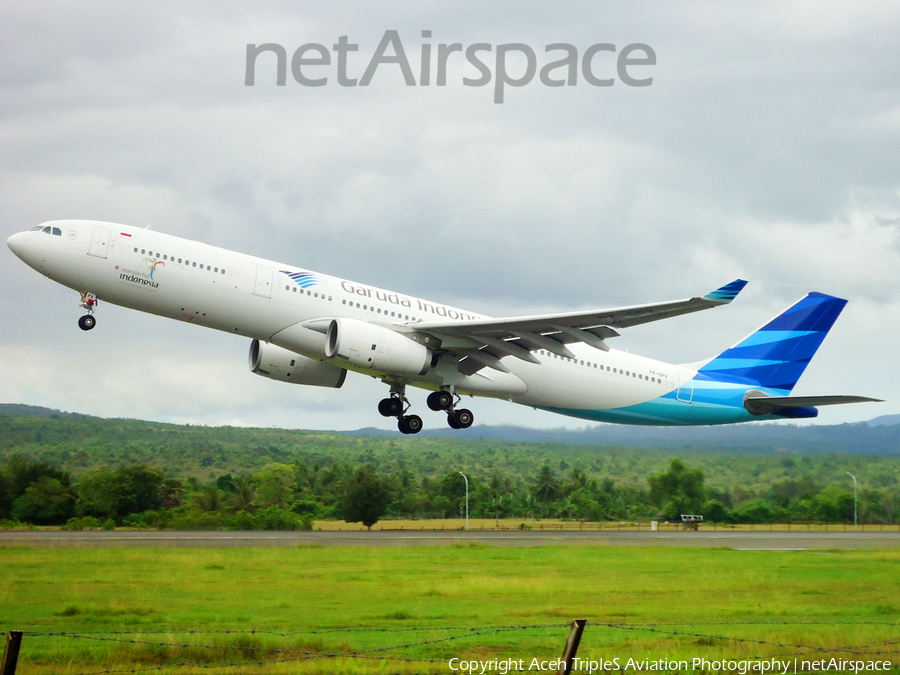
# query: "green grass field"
{"type": "Point", "coordinates": [661, 603]}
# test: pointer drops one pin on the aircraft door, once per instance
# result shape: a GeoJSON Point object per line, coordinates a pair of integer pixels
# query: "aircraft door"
{"type": "Point", "coordinates": [263, 286]}
{"type": "Point", "coordinates": [685, 388]}
{"type": "Point", "coordinates": [100, 242]}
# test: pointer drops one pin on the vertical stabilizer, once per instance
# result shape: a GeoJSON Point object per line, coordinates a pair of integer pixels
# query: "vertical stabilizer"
{"type": "Point", "coordinates": [777, 354]}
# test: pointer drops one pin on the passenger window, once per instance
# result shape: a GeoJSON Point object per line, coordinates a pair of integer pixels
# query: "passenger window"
{"type": "Point", "coordinates": [143, 251]}
{"type": "Point", "coordinates": [195, 264]}
{"type": "Point", "coordinates": [216, 270]}
{"type": "Point", "coordinates": [135, 249]}
{"type": "Point", "coordinates": [179, 261]}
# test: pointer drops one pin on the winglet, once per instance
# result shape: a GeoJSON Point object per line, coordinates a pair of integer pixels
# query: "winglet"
{"type": "Point", "coordinates": [727, 293]}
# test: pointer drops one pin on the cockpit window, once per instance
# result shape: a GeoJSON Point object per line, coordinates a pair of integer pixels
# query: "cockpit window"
{"type": "Point", "coordinates": [36, 228]}
{"type": "Point", "coordinates": [46, 229]}
{"type": "Point", "coordinates": [57, 232]}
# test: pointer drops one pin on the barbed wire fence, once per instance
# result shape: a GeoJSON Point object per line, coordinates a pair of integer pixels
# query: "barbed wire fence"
{"type": "Point", "coordinates": [398, 653]}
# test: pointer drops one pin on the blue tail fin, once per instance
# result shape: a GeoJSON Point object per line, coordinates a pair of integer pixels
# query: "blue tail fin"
{"type": "Point", "coordinates": [777, 354]}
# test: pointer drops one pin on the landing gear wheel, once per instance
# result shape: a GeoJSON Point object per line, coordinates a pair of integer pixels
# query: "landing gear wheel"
{"type": "Point", "coordinates": [409, 424]}
{"type": "Point", "coordinates": [390, 407]}
{"type": "Point", "coordinates": [440, 400]}
{"type": "Point", "coordinates": [87, 322]}
{"type": "Point", "coordinates": [460, 419]}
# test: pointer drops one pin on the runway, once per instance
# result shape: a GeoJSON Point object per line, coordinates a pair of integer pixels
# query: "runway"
{"type": "Point", "coordinates": [749, 541]}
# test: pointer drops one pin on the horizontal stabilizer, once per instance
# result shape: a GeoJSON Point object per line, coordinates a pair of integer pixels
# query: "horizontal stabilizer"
{"type": "Point", "coordinates": [767, 405]}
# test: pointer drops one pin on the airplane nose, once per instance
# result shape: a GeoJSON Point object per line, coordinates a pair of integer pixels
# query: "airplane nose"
{"type": "Point", "coordinates": [27, 248]}
{"type": "Point", "coordinates": [16, 244]}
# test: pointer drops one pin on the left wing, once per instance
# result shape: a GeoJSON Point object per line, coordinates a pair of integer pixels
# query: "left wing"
{"type": "Point", "coordinates": [484, 342]}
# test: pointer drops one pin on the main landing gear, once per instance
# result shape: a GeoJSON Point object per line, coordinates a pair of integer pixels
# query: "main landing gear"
{"type": "Point", "coordinates": [89, 302]}
{"type": "Point", "coordinates": [448, 400]}
{"type": "Point", "coordinates": [397, 405]}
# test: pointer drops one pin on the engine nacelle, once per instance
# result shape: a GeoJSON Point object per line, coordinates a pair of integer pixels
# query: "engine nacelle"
{"type": "Point", "coordinates": [280, 364]}
{"type": "Point", "coordinates": [366, 345]}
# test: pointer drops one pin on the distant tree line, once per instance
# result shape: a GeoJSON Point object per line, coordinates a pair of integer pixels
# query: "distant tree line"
{"type": "Point", "coordinates": [292, 496]}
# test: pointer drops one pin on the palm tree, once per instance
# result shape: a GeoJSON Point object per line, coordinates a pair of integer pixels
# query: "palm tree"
{"type": "Point", "coordinates": [244, 496]}
{"type": "Point", "coordinates": [308, 478]}
{"type": "Point", "coordinates": [578, 480]}
{"type": "Point", "coordinates": [208, 500]}
{"type": "Point", "coordinates": [546, 487]}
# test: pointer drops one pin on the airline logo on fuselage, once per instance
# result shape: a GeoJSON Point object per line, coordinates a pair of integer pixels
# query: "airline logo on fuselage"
{"type": "Point", "coordinates": [304, 279]}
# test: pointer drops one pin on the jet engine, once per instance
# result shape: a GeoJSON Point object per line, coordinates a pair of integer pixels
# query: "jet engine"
{"type": "Point", "coordinates": [285, 366]}
{"type": "Point", "coordinates": [366, 345]}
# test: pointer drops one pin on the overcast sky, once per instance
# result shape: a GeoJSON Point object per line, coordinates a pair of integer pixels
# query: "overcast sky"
{"type": "Point", "coordinates": [767, 147]}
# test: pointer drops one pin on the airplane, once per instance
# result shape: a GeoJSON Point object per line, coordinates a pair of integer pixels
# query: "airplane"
{"type": "Point", "coordinates": [311, 328]}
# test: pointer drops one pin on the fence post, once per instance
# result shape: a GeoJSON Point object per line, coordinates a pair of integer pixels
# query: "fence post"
{"type": "Point", "coordinates": [11, 655]}
{"type": "Point", "coordinates": [571, 649]}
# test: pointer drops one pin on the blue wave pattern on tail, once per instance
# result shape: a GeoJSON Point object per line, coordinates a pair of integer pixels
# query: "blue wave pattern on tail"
{"type": "Point", "coordinates": [776, 355]}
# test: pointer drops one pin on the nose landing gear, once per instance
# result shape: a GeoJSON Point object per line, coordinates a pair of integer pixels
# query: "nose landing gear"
{"type": "Point", "coordinates": [397, 405]}
{"type": "Point", "coordinates": [445, 399]}
{"type": "Point", "coordinates": [89, 302]}
{"type": "Point", "coordinates": [87, 322]}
